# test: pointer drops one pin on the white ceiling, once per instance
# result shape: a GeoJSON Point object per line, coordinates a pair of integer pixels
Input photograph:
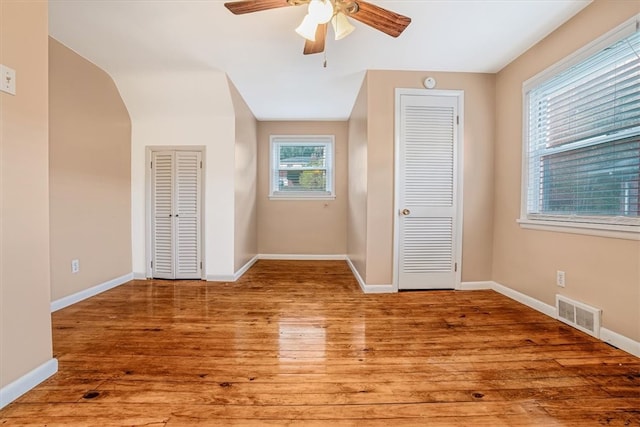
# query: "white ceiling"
{"type": "Point", "coordinates": [262, 54]}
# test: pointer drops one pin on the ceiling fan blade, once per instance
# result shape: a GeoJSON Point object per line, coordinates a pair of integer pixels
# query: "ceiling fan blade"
{"type": "Point", "coordinates": [381, 19]}
{"type": "Point", "coordinates": [249, 6]}
{"type": "Point", "coordinates": [317, 46]}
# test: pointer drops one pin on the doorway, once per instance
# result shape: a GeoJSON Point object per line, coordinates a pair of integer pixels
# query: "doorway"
{"type": "Point", "coordinates": [174, 206]}
{"type": "Point", "coordinates": [428, 202]}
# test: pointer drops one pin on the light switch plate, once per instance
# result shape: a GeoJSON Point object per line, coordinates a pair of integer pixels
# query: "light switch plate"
{"type": "Point", "coordinates": [7, 79]}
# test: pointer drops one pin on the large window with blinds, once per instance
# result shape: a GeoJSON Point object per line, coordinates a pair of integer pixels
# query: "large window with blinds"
{"type": "Point", "coordinates": [301, 167]}
{"type": "Point", "coordinates": [582, 137]}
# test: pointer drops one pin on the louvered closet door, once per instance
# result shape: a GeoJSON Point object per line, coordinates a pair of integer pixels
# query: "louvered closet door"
{"type": "Point", "coordinates": [427, 221]}
{"type": "Point", "coordinates": [176, 228]}
{"type": "Point", "coordinates": [187, 215]}
{"type": "Point", "coordinates": [162, 203]}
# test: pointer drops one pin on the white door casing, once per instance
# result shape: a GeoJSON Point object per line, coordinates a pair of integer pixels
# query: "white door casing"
{"type": "Point", "coordinates": [428, 192]}
{"type": "Point", "coordinates": [176, 220]}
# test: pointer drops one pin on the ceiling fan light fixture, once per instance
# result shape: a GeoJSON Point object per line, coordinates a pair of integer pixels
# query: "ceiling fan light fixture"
{"type": "Point", "coordinates": [307, 28]}
{"type": "Point", "coordinates": [341, 26]}
{"type": "Point", "coordinates": [321, 10]}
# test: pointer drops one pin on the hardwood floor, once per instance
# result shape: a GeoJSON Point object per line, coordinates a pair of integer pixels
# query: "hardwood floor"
{"type": "Point", "coordinates": [298, 343]}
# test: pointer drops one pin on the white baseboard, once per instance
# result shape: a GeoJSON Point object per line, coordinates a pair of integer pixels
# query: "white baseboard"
{"type": "Point", "coordinates": [476, 286]}
{"type": "Point", "coordinates": [139, 276]}
{"type": "Point", "coordinates": [540, 306]}
{"type": "Point", "coordinates": [235, 276]}
{"type": "Point", "coordinates": [281, 257]}
{"type": "Point", "coordinates": [221, 278]}
{"type": "Point", "coordinates": [620, 341]}
{"type": "Point", "coordinates": [606, 335]}
{"type": "Point", "coordinates": [303, 257]}
{"type": "Point", "coordinates": [369, 289]}
{"type": "Point", "coordinates": [17, 388]}
{"type": "Point", "coordinates": [379, 289]}
{"type": "Point", "coordinates": [547, 309]}
{"type": "Point", "coordinates": [238, 274]}
{"type": "Point", "coordinates": [87, 293]}
{"type": "Point", "coordinates": [363, 285]}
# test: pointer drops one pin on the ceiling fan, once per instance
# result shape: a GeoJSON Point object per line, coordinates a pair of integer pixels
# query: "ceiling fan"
{"type": "Point", "coordinates": [314, 25]}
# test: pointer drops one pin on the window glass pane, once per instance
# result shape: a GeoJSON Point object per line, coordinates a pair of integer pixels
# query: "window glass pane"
{"type": "Point", "coordinates": [302, 156]}
{"type": "Point", "coordinates": [598, 180]}
{"type": "Point", "coordinates": [302, 180]}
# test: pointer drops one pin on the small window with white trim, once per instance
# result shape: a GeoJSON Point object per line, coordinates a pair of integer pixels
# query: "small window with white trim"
{"type": "Point", "coordinates": [581, 164]}
{"type": "Point", "coordinates": [301, 167]}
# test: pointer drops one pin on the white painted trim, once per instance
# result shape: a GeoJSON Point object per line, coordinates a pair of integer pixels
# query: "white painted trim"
{"type": "Point", "coordinates": [88, 293]}
{"type": "Point", "coordinates": [475, 286]}
{"type": "Point", "coordinates": [221, 278]}
{"type": "Point", "coordinates": [148, 177]}
{"type": "Point", "coordinates": [355, 272]}
{"type": "Point", "coordinates": [139, 276]}
{"type": "Point", "coordinates": [370, 289]}
{"type": "Point", "coordinates": [606, 335]}
{"type": "Point", "coordinates": [620, 341]}
{"type": "Point", "coordinates": [17, 388]}
{"type": "Point", "coordinates": [303, 196]}
{"type": "Point", "coordinates": [238, 274]}
{"type": "Point", "coordinates": [628, 232]}
{"type": "Point", "coordinates": [604, 41]}
{"type": "Point", "coordinates": [327, 140]}
{"type": "Point", "coordinates": [379, 289]}
{"type": "Point", "coordinates": [540, 306]}
{"type": "Point", "coordinates": [623, 30]}
{"type": "Point", "coordinates": [235, 276]}
{"type": "Point", "coordinates": [303, 257]}
{"type": "Point", "coordinates": [458, 179]}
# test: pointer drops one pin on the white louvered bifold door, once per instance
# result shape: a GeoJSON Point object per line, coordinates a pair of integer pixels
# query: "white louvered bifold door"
{"type": "Point", "coordinates": [176, 223]}
{"type": "Point", "coordinates": [427, 192]}
{"type": "Point", "coordinates": [162, 204]}
{"type": "Point", "coordinates": [187, 215]}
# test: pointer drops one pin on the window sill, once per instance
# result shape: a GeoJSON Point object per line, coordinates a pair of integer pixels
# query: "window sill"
{"type": "Point", "coordinates": [628, 232]}
{"type": "Point", "coordinates": [301, 196]}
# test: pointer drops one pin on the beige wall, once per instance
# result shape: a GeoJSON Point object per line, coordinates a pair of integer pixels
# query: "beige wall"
{"type": "Point", "coordinates": [25, 319]}
{"type": "Point", "coordinates": [603, 272]}
{"type": "Point", "coordinates": [357, 203]}
{"type": "Point", "coordinates": [246, 231]}
{"type": "Point", "coordinates": [303, 227]}
{"type": "Point", "coordinates": [479, 118]}
{"type": "Point", "coordinates": [89, 174]}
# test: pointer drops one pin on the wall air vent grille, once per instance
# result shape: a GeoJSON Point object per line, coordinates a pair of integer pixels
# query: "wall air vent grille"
{"type": "Point", "coordinates": [578, 315]}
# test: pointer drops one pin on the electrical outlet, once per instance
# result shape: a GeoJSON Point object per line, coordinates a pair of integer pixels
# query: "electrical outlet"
{"type": "Point", "coordinates": [7, 79]}
{"type": "Point", "coordinates": [75, 266]}
{"type": "Point", "coordinates": [560, 278]}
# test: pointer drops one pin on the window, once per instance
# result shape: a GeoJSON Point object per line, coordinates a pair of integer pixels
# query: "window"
{"type": "Point", "coordinates": [302, 167]}
{"type": "Point", "coordinates": [582, 138]}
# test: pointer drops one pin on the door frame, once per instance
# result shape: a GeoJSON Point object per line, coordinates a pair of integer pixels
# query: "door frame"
{"type": "Point", "coordinates": [458, 178]}
{"type": "Point", "coordinates": [149, 150]}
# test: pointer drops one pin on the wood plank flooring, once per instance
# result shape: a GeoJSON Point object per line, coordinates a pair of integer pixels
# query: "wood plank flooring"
{"type": "Point", "coordinates": [298, 343]}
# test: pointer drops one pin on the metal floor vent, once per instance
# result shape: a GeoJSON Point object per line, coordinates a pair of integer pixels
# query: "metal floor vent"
{"type": "Point", "coordinates": [579, 315]}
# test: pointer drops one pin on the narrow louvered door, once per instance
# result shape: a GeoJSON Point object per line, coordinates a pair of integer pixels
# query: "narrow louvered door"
{"type": "Point", "coordinates": [427, 147]}
{"type": "Point", "coordinates": [162, 203]}
{"type": "Point", "coordinates": [176, 224]}
{"type": "Point", "coordinates": [187, 215]}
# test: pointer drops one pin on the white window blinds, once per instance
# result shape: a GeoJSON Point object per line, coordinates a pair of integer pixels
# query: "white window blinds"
{"type": "Point", "coordinates": [583, 158]}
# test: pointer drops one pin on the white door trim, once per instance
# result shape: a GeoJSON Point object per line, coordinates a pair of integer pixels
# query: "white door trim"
{"type": "Point", "coordinates": [149, 150]}
{"type": "Point", "coordinates": [459, 94]}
